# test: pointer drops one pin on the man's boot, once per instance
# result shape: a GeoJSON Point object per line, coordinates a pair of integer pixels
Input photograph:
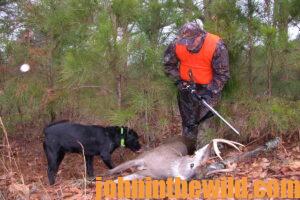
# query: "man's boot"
{"type": "Point", "coordinates": [190, 132]}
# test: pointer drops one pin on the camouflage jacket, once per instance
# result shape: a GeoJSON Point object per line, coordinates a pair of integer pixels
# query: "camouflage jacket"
{"type": "Point", "coordinates": [193, 39]}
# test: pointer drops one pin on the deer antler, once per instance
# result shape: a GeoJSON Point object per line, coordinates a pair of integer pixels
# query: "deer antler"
{"type": "Point", "coordinates": [229, 142]}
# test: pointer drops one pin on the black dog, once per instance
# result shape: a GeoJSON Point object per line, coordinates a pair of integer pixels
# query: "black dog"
{"type": "Point", "coordinates": [62, 137]}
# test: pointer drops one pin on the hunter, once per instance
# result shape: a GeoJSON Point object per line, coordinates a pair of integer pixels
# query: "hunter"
{"type": "Point", "coordinates": [205, 56]}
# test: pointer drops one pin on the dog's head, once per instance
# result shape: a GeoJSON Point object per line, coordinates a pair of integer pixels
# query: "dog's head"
{"type": "Point", "coordinates": [131, 139]}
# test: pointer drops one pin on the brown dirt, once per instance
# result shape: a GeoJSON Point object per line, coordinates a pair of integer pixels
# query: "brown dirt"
{"type": "Point", "coordinates": [31, 162]}
{"type": "Point", "coordinates": [32, 165]}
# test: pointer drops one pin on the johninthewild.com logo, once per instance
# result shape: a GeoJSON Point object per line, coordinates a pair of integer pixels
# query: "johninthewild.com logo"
{"type": "Point", "coordinates": [225, 187]}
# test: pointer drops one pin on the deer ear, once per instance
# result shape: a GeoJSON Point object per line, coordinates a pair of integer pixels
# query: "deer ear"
{"type": "Point", "coordinates": [202, 151]}
{"type": "Point", "coordinates": [202, 154]}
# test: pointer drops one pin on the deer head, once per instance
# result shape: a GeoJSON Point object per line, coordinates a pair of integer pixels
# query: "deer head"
{"type": "Point", "coordinates": [187, 166]}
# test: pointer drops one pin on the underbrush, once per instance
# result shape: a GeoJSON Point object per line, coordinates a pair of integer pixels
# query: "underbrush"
{"type": "Point", "coordinates": [153, 113]}
{"type": "Point", "coordinates": [261, 116]}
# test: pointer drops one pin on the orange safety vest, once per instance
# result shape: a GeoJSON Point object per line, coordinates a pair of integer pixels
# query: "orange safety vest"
{"type": "Point", "coordinates": [199, 63]}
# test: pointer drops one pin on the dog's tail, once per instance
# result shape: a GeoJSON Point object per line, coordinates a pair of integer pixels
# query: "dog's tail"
{"type": "Point", "coordinates": [54, 123]}
{"type": "Point", "coordinates": [126, 165]}
{"type": "Point", "coordinates": [57, 122]}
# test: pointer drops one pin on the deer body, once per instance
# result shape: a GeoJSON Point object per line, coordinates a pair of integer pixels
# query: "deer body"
{"type": "Point", "coordinates": [167, 160]}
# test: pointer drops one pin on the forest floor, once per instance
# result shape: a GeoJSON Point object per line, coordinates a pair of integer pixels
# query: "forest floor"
{"type": "Point", "coordinates": [24, 177]}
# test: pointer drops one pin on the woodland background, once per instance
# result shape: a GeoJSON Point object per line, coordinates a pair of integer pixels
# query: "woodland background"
{"type": "Point", "coordinates": [100, 61]}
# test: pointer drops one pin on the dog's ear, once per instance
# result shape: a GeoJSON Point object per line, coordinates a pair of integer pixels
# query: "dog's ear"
{"type": "Point", "coordinates": [129, 131]}
{"type": "Point", "coordinates": [126, 130]}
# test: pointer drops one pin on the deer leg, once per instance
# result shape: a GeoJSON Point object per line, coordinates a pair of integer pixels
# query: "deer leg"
{"type": "Point", "coordinates": [131, 177]}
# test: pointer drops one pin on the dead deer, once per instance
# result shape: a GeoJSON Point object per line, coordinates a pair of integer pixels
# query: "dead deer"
{"type": "Point", "coordinates": [170, 160]}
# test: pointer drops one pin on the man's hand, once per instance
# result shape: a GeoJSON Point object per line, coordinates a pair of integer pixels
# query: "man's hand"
{"type": "Point", "coordinates": [181, 85]}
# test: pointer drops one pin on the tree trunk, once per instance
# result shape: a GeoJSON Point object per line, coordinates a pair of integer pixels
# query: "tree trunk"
{"type": "Point", "coordinates": [270, 66]}
{"type": "Point", "coordinates": [269, 46]}
{"type": "Point", "coordinates": [250, 5]}
{"type": "Point", "coordinates": [207, 13]}
{"type": "Point", "coordinates": [119, 90]}
{"type": "Point", "coordinates": [282, 17]}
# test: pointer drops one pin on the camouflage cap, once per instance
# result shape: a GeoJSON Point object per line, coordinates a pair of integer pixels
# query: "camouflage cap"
{"type": "Point", "coordinates": [190, 29]}
{"type": "Point", "coordinates": [192, 35]}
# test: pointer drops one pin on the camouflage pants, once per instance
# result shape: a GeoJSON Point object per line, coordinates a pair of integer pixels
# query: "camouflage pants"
{"type": "Point", "coordinates": [194, 113]}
